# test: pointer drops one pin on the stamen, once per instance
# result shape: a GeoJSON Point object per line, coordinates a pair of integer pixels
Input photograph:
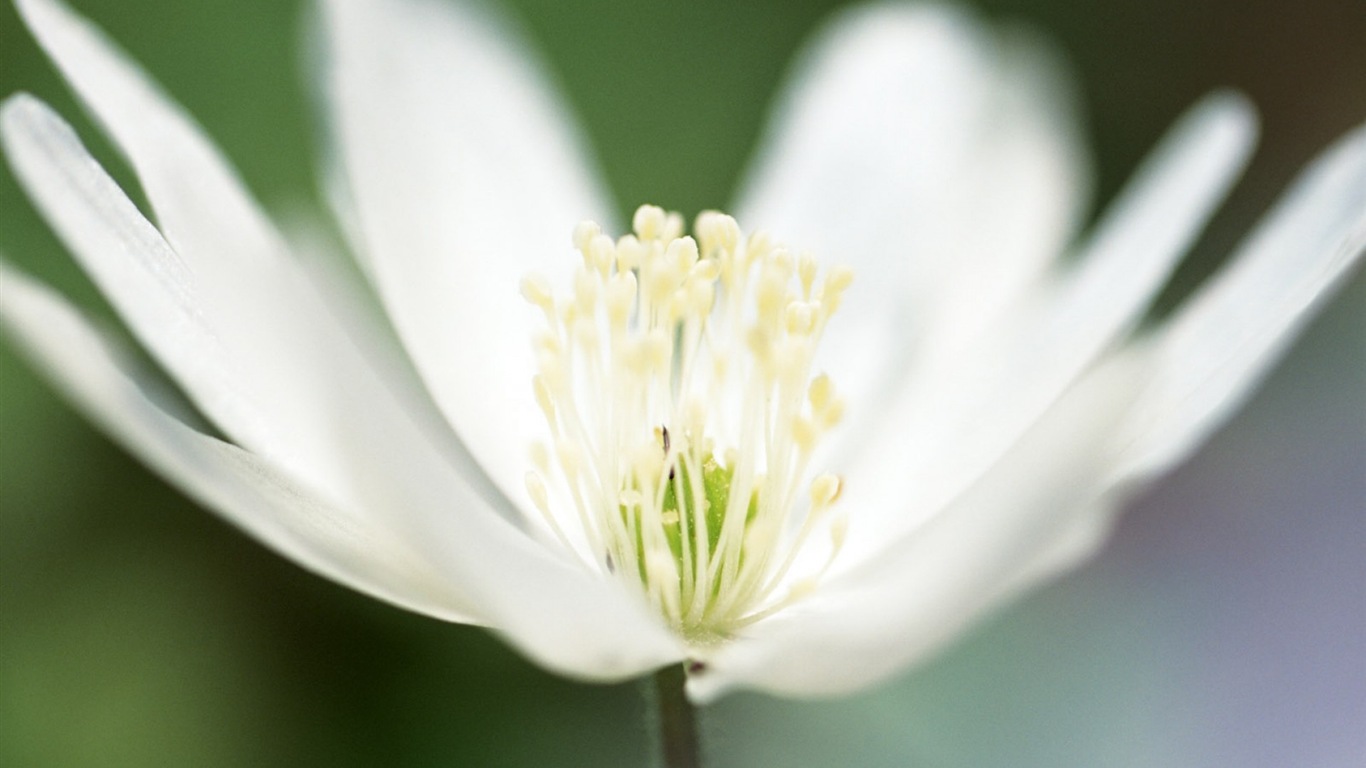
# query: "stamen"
{"type": "Point", "coordinates": [675, 379]}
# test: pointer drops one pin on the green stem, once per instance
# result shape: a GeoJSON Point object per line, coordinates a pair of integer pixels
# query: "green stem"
{"type": "Point", "coordinates": [678, 741]}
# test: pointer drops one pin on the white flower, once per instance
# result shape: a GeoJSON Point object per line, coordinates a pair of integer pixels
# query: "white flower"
{"type": "Point", "coordinates": [1000, 400]}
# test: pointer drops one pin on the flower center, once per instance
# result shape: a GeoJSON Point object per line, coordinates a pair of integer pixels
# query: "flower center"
{"type": "Point", "coordinates": [675, 377]}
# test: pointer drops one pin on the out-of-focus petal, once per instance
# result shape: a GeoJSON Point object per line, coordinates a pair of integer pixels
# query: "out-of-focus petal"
{"type": "Point", "coordinates": [349, 548]}
{"type": "Point", "coordinates": [960, 413]}
{"type": "Point", "coordinates": [940, 162]}
{"type": "Point", "coordinates": [222, 305]}
{"type": "Point", "coordinates": [465, 173]}
{"type": "Point", "coordinates": [268, 344]}
{"type": "Point", "coordinates": [480, 571]}
{"type": "Point", "coordinates": [1212, 353]}
{"type": "Point", "coordinates": [289, 390]}
{"type": "Point", "coordinates": [876, 619]}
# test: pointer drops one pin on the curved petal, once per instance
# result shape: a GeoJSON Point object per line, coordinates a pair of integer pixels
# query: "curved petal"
{"type": "Point", "coordinates": [200, 204]}
{"type": "Point", "coordinates": [222, 305]}
{"type": "Point", "coordinates": [564, 618]}
{"type": "Point", "coordinates": [895, 609]}
{"type": "Point", "coordinates": [1211, 354]}
{"type": "Point", "coordinates": [345, 433]}
{"type": "Point", "coordinates": [939, 161]}
{"type": "Point", "coordinates": [465, 174]}
{"type": "Point", "coordinates": [327, 539]}
{"type": "Point", "coordinates": [962, 412]}
{"type": "Point", "coordinates": [250, 347]}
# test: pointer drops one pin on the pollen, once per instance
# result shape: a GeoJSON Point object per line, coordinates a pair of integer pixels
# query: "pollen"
{"type": "Point", "coordinates": [676, 380]}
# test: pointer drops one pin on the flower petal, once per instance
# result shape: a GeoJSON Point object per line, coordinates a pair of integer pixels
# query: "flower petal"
{"type": "Point", "coordinates": [242, 330]}
{"type": "Point", "coordinates": [201, 206]}
{"type": "Point", "coordinates": [249, 345]}
{"type": "Point", "coordinates": [223, 308]}
{"type": "Point", "coordinates": [959, 413]}
{"type": "Point", "coordinates": [1212, 353]}
{"type": "Point", "coordinates": [466, 173]}
{"type": "Point", "coordinates": [897, 608]}
{"type": "Point", "coordinates": [348, 548]}
{"type": "Point", "coordinates": [472, 569]}
{"type": "Point", "coordinates": [940, 162]}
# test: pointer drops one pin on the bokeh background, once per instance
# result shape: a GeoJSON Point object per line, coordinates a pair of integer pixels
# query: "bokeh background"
{"type": "Point", "coordinates": [1225, 625]}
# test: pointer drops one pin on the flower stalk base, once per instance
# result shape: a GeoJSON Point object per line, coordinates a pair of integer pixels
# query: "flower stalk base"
{"type": "Point", "coordinates": [678, 737]}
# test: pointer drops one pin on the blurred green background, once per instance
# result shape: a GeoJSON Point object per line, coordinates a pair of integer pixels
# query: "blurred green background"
{"type": "Point", "coordinates": [1224, 626]}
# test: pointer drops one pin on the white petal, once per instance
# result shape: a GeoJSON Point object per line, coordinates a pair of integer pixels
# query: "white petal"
{"type": "Point", "coordinates": [959, 414]}
{"type": "Point", "coordinates": [348, 548]}
{"type": "Point", "coordinates": [473, 571]}
{"type": "Point", "coordinates": [466, 174]}
{"type": "Point", "coordinates": [1212, 353]}
{"type": "Point", "coordinates": [200, 204]}
{"type": "Point", "coordinates": [270, 346]}
{"type": "Point", "coordinates": [940, 162]}
{"type": "Point", "coordinates": [227, 311]}
{"type": "Point", "coordinates": [224, 310]}
{"type": "Point", "coordinates": [248, 345]}
{"type": "Point", "coordinates": [892, 611]}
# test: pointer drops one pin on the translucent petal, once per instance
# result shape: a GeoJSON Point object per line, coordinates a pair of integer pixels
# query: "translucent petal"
{"type": "Point", "coordinates": [899, 607]}
{"type": "Point", "coordinates": [940, 162]}
{"type": "Point", "coordinates": [1211, 354]}
{"type": "Point", "coordinates": [349, 548]}
{"type": "Point", "coordinates": [961, 412]}
{"type": "Point", "coordinates": [465, 173]}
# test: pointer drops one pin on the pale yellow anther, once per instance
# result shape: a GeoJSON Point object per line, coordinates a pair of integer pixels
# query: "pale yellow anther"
{"type": "Point", "coordinates": [536, 290]}
{"type": "Point", "coordinates": [540, 456]}
{"type": "Point", "coordinates": [780, 261]}
{"type": "Point", "coordinates": [801, 588]}
{"type": "Point", "coordinates": [647, 463]}
{"type": "Point", "coordinates": [543, 397]}
{"type": "Point", "coordinates": [820, 393]}
{"type": "Point", "coordinates": [630, 253]}
{"type": "Point", "coordinates": [799, 319]}
{"type": "Point", "coordinates": [832, 414]}
{"type": "Point", "coordinates": [584, 232]}
{"type": "Point", "coordinates": [571, 457]}
{"type": "Point", "coordinates": [825, 489]}
{"type": "Point", "coordinates": [758, 246]}
{"type": "Point", "coordinates": [620, 298]}
{"type": "Point", "coordinates": [678, 305]}
{"type": "Point", "coordinates": [673, 226]}
{"type": "Point", "coordinates": [601, 253]}
{"type": "Point", "coordinates": [705, 271]}
{"type": "Point", "coordinates": [649, 222]}
{"type": "Point", "coordinates": [682, 254]}
{"type": "Point", "coordinates": [717, 232]}
{"type": "Point", "coordinates": [535, 488]}
{"type": "Point", "coordinates": [546, 343]}
{"type": "Point", "coordinates": [770, 296]}
{"type": "Point", "coordinates": [838, 279]}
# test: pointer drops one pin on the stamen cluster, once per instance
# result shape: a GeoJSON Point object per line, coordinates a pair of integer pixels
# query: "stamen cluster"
{"type": "Point", "coordinates": [675, 378]}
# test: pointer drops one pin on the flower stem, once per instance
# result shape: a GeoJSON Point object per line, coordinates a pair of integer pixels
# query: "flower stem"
{"type": "Point", "coordinates": [678, 741]}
